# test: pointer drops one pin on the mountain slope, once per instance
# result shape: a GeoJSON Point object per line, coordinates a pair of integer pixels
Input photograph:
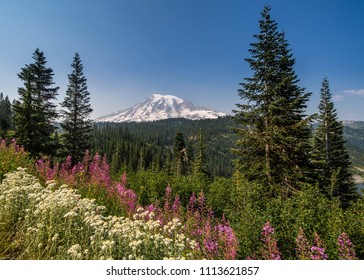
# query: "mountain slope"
{"type": "Point", "coordinates": [161, 107]}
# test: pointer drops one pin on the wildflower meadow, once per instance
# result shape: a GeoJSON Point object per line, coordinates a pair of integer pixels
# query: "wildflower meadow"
{"type": "Point", "coordinates": [77, 211]}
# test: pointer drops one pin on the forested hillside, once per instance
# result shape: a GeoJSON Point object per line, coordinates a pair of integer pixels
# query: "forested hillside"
{"type": "Point", "coordinates": [354, 136]}
{"type": "Point", "coordinates": [139, 146]}
{"type": "Point", "coordinates": [150, 144]}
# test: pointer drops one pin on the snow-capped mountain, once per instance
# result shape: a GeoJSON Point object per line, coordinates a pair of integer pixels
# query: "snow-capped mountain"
{"type": "Point", "coordinates": [160, 107]}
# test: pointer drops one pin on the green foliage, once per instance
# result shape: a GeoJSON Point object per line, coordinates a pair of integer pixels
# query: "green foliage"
{"type": "Point", "coordinates": [35, 113]}
{"type": "Point", "coordinates": [218, 195]}
{"type": "Point", "coordinates": [330, 154]}
{"type": "Point", "coordinates": [76, 112]}
{"type": "Point", "coordinates": [11, 157]}
{"type": "Point", "coordinates": [5, 115]}
{"type": "Point", "coordinates": [311, 211]}
{"type": "Point", "coordinates": [149, 186]}
{"type": "Point", "coordinates": [246, 213]}
{"type": "Point", "coordinates": [273, 137]}
{"type": "Point", "coordinates": [354, 224]}
{"type": "Point", "coordinates": [308, 209]}
{"type": "Point", "coordinates": [180, 159]}
{"type": "Point", "coordinates": [354, 143]}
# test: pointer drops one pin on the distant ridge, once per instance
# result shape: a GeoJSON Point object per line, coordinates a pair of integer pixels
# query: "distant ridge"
{"type": "Point", "coordinates": [161, 107]}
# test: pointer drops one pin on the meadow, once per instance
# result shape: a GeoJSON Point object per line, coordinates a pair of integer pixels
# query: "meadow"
{"type": "Point", "coordinates": [65, 211]}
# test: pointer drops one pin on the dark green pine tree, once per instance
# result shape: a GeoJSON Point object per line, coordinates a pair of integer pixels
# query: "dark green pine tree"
{"type": "Point", "coordinates": [5, 115]}
{"type": "Point", "coordinates": [179, 154]}
{"type": "Point", "coordinates": [200, 162]}
{"type": "Point", "coordinates": [330, 154]}
{"type": "Point", "coordinates": [115, 160]}
{"type": "Point", "coordinates": [274, 133]}
{"type": "Point", "coordinates": [35, 113]}
{"type": "Point", "coordinates": [76, 125]}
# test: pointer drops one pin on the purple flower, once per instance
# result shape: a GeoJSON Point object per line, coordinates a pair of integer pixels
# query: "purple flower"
{"type": "Point", "coordinates": [267, 229]}
{"type": "Point", "coordinates": [123, 179]}
{"type": "Point", "coordinates": [318, 253]}
{"type": "Point", "coordinates": [192, 203]}
{"type": "Point", "coordinates": [346, 248]}
{"type": "Point", "coordinates": [176, 204]}
{"type": "Point", "coordinates": [270, 249]}
{"type": "Point", "coordinates": [317, 250]}
{"type": "Point", "coordinates": [210, 246]}
{"type": "Point", "coordinates": [201, 201]}
{"type": "Point", "coordinates": [303, 248]}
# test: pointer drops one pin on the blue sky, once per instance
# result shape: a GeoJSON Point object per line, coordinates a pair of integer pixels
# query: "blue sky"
{"type": "Point", "coordinates": [194, 49]}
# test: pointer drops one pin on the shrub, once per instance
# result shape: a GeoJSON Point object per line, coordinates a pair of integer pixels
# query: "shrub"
{"type": "Point", "coordinates": [12, 156]}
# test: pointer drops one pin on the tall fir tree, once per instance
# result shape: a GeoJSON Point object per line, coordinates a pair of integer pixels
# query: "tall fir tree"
{"type": "Point", "coordinates": [179, 155]}
{"type": "Point", "coordinates": [331, 156]}
{"type": "Point", "coordinates": [35, 113]}
{"type": "Point", "coordinates": [273, 135]}
{"type": "Point", "coordinates": [5, 115]}
{"type": "Point", "coordinates": [200, 162]}
{"type": "Point", "coordinates": [76, 125]}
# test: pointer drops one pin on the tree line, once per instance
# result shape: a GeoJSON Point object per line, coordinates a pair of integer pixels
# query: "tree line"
{"type": "Point", "coordinates": [172, 145]}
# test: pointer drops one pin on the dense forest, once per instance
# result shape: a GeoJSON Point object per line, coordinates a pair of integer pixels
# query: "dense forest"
{"type": "Point", "coordinates": [149, 145]}
{"type": "Point", "coordinates": [270, 182]}
{"type": "Point", "coordinates": [140, 146]}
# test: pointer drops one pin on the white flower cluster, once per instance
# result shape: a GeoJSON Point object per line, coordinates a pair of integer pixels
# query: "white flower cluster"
{"type": "Point", "coordinates": [59, 224]}
{"type": "Point", "coordinates": [14, 196]}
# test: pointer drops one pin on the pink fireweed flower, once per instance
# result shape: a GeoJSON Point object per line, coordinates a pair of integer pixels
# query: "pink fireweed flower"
{"type": "Point", "coordinates": [267, 229]}
{"type": "Point", "coordinates": [201, 200]}
{"type": "Point", "coordinates": [86, 160]}
{"type": "Point", "coordinates": [270, 249]}
{"type": "Point", "coordinates": [210, 246]}
{"type": "Point", "coordinates": [192, 203]}
{"type": "Point", "coordinates": [303, 250]}
{"type": "Point", "coordinates": [150, 208]}
{"type": "Point", "coordinates": [176, 207]}
{"type": "Point", "coordinates": [346, 248]}
{"type": "Point", "coordinates": [17, 147]}
{"type": "Point", "coordinates": [65, 173]}
{"type": "Point", "coordinates": [127, 198]}
{"type": "Point", "coordinates": [99, 172]}
{"type": "Point", "coordinates": [167, 199]}
{"type": "Point", "coordinates": [317, 250]}
{"type": "Point", "coordinates": [318, 253]}
{"type": "Point", "coordinates": [228, 240]}
{"type": "Point", "coordinates": [44, 169]}
{"type": "Point", "coordinates": [124, 179]}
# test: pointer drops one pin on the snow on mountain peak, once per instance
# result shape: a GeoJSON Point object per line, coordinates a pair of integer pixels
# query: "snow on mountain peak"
{"type": "Point", "coordinates": [160, 107]}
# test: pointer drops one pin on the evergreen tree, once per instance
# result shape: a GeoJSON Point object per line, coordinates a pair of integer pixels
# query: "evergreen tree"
{"type": "Point", "coordinates": [179, 154]}
{"type": "Point", "coordinates": [5, 115]}
{"type": "Point", "coordinates": [331, 157]}
{"type": "Point", "coordinates": [273, 136]}
{"type": "Point", "coordinates": [115, 160]}
{"type": "Point", "coordinates": [200, 163]}
{"type": "Point", "coordinates": [35, 113]}
{"type": "Point", "coordinates": [76, 125]}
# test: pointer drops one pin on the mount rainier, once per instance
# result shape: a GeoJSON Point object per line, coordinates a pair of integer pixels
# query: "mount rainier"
{"type": "Point", "coordinates": [160, 107]}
